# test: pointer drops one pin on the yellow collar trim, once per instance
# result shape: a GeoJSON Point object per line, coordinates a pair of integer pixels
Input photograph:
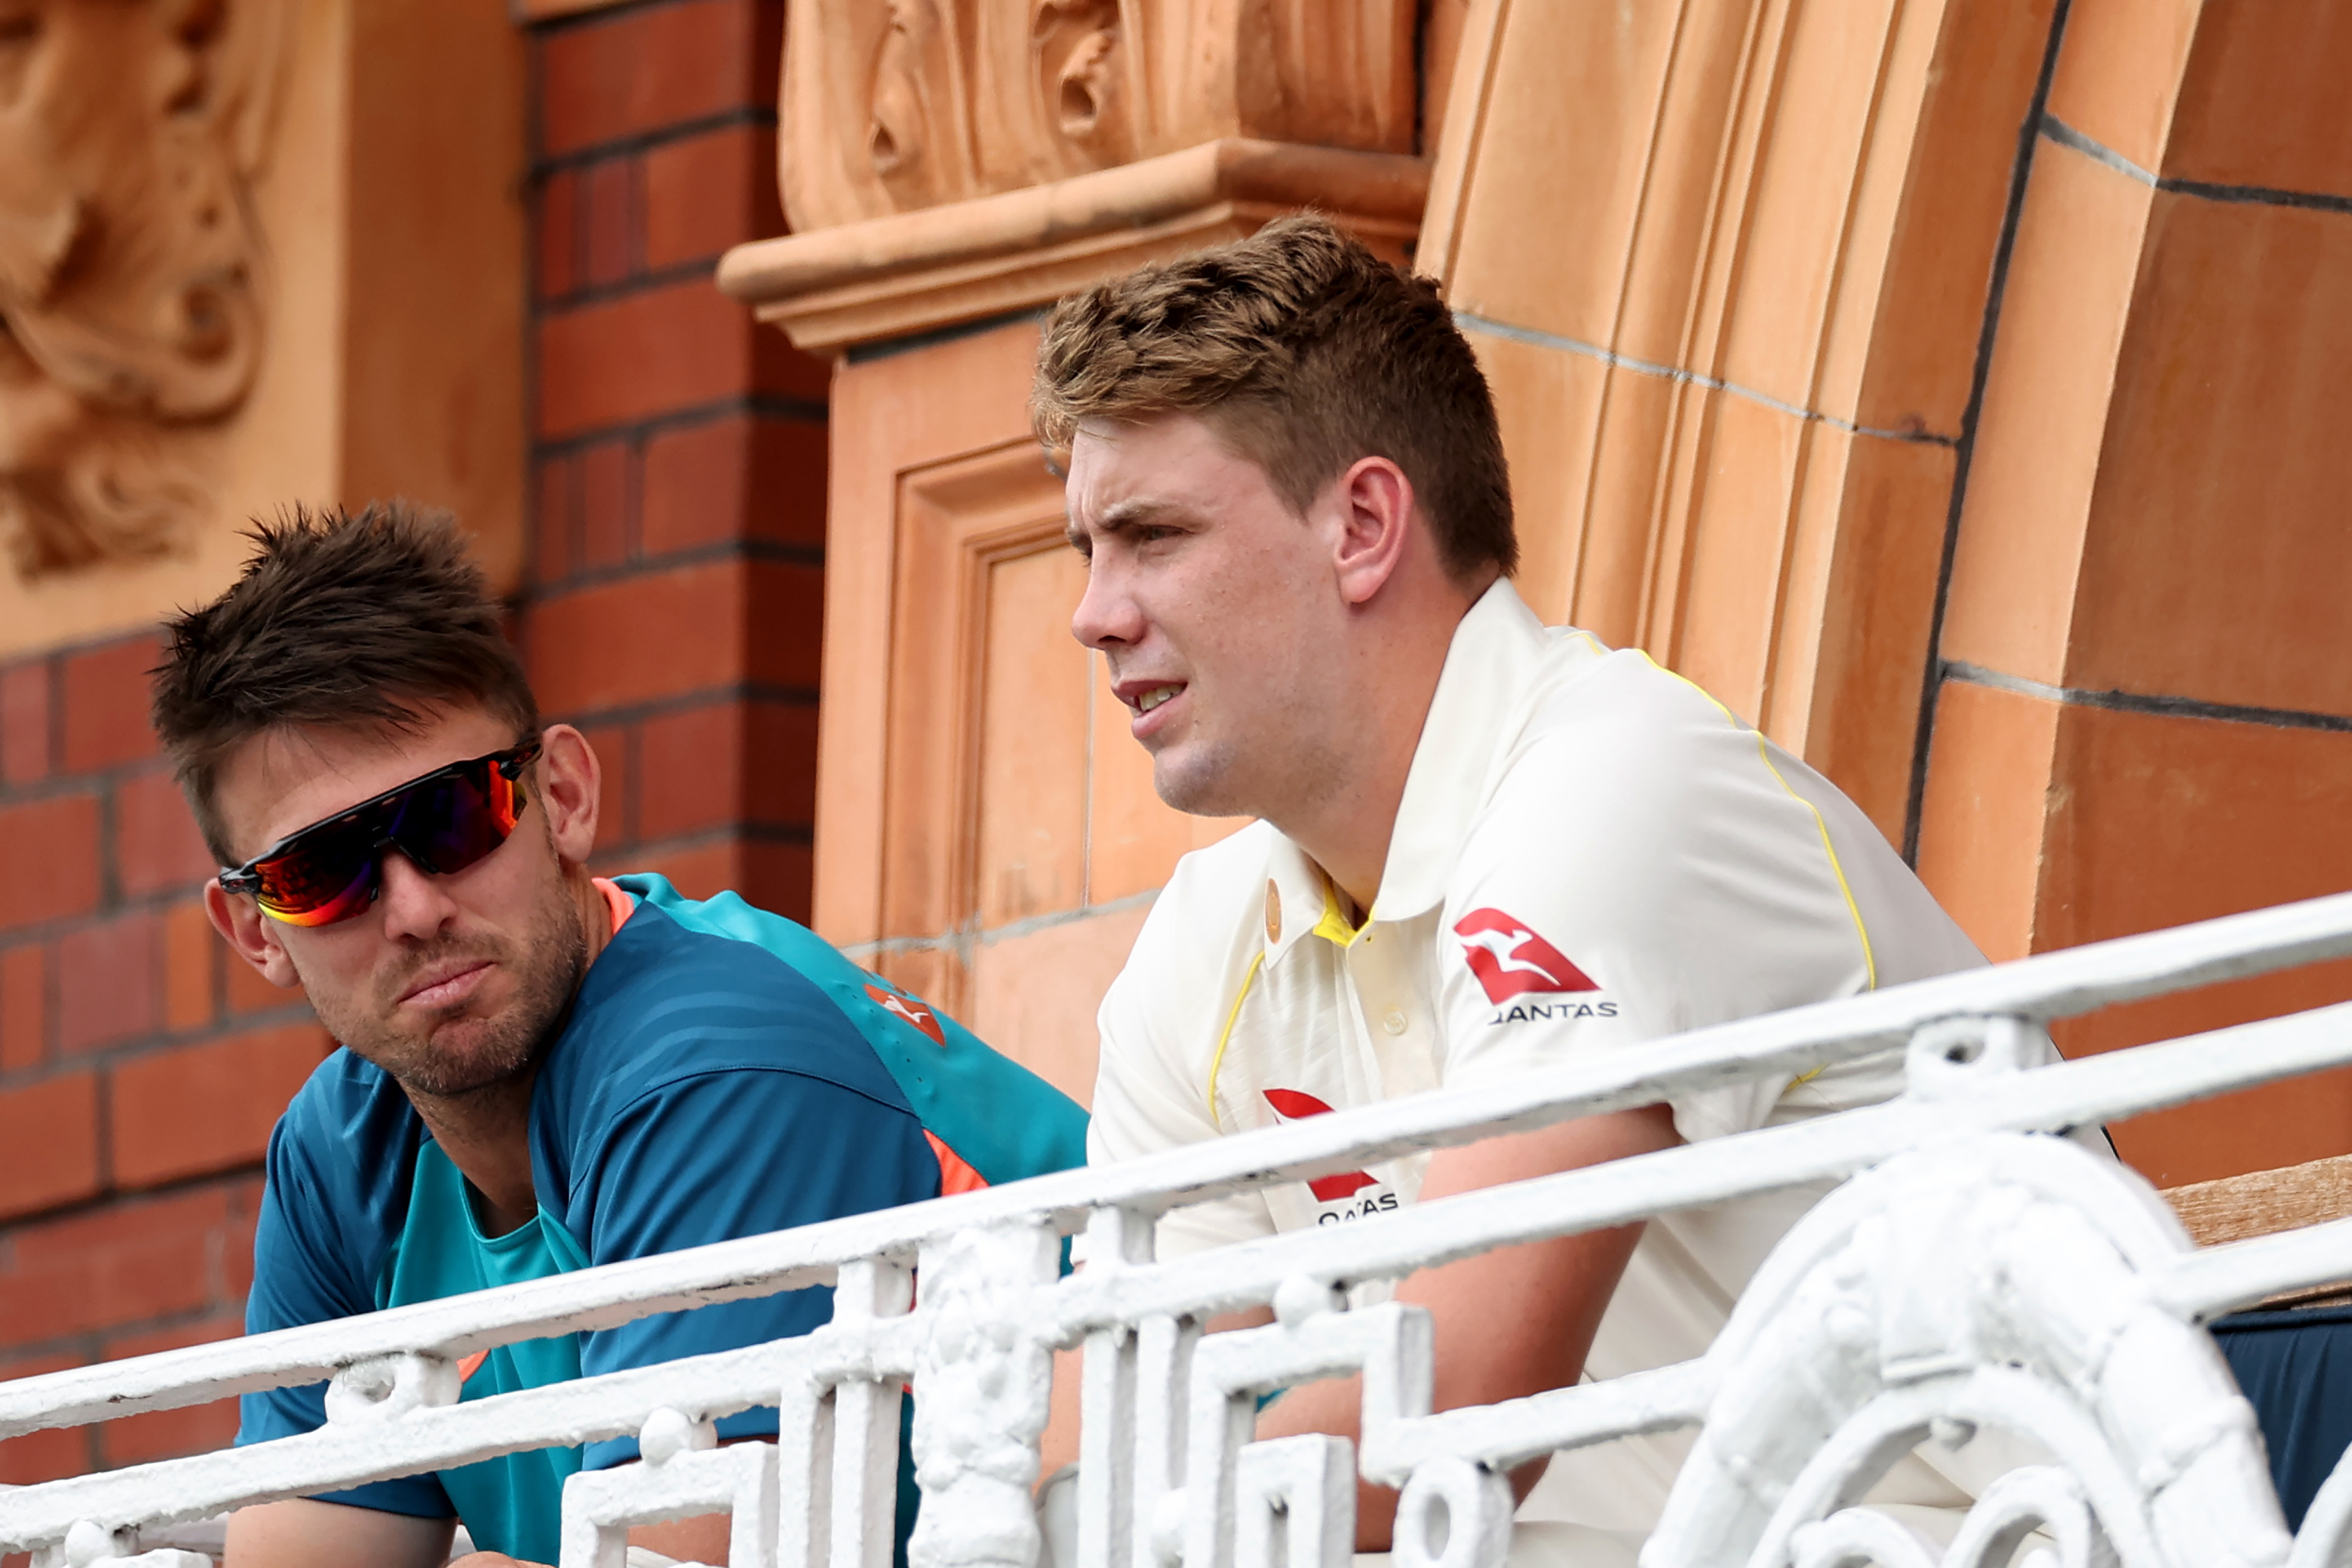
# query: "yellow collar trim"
{"type": "Point", "coordinates": [1333, 927]}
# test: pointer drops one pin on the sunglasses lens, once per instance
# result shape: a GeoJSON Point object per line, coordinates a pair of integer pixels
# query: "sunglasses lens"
{"type": "Point", "coordinates": [318, 881]}
{"type": "Point", "coordinates": [450, 821]}
{"type": "Point", "coordinates": [444, 823]}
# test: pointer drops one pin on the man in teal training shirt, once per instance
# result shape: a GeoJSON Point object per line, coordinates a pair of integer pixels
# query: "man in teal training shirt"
{"type": "Point", "coordinates": [540, 1071]}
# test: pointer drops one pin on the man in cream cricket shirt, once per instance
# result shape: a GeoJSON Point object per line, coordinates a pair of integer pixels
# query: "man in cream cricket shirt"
{"type": "Point", "coordinates": [1484, 847]}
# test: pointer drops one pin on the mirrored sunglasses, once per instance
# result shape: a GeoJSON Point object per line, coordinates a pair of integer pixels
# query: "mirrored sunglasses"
{"type": "Point", "coordinates": [442, 821]}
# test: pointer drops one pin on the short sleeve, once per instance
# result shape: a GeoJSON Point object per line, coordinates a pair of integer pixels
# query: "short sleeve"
{"type": "Point", "coordinates": [1595, 908]}
{"type": "Point", "coordinates": [733, 1152]}
{"type": "Point", "coordinates": [301, 1275]}
{"type": "Point", "coordinates": [1145, 1104]}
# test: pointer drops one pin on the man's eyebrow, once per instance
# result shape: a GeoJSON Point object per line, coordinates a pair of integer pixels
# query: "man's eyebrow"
{"type": "Point", "coordinates": [1120, 516]}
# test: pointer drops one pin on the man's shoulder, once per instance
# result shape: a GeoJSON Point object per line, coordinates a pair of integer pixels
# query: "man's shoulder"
{"type": "Point", "coordinates": [1605, 774]}
{"type": "Point", "coordinates": [1212, 907]}
{"type": "Point", "coordinates": [1003, 1119]}
{"type": "Point", "coordinates": [1619, 698]}
{"type": "Point", "coordinates": [1633, 806]}
{"type": "Point", "coordinates": [665, 1001]}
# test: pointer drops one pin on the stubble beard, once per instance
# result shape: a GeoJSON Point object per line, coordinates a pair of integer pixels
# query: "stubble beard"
{"type": "Point", "coordinates": [455, 1057]}
{"type": "Point", "coordinates": [1279, 777]}
{"type": "Point", "coordinates": [1199, 784]}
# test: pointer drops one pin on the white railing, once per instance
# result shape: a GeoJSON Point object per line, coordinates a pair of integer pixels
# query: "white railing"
{"type": "Point", "coordinates": [2061, 1303]}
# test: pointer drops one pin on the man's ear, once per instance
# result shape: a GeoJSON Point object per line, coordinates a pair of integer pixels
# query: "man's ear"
{"type": "Point", "coordinates": [251, 935]}
{"type": "Point", "coordinates": [1374, 504]}
{"type": "Point", "coordinates": [571, 788]}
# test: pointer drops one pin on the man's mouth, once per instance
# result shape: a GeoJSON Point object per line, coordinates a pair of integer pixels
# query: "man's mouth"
{"type": "Point", "coordinates": [447, 985]}
{"type": "Point", "coordinates": [1142, 693]}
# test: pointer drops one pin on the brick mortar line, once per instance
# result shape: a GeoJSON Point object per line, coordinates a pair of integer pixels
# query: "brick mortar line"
{"type": "Point", "coordinates": [960, 941]}
{"type": "Point", "coordinates": [1616, 361]}
{"type": "Point", "coordinates": [548, 307]}
{"type": "Point", "coordinates": [110, 831]}
{"type": "Point", "coordinates": [577, 21]}
{"type": "Point", "coordinates": [104, 782]}
{"type": "Point", "coordinates": [102, 1089]}
{"type": "Point", "coordinates": [785, 833]}
{"type": "Point", "coordinates": [87, 1346]}
{"type": "Point", "coordinates": [1964, 455]}
{"type": "Point", "coordinates": [56, 698]}
{"type": "Point", "coordinates": [772, 552]}
{"type": "Point", "coordinates": [62, 654]}
{"type": "Point", "coordinates": [535, 521]}
{"type": "Point", "coordinates": [152, 904]}
{"type": "Point", "coordinates": [757, 116]}
{"type": "Point", "coordinates": [2115, 700]}
{"type": "Point", "coordinates": [100, 1203]}
{"type": "Point", "coordinates": [117, 1053]}
{"type": "Point", "coordinates": [738, 691]}
{"type": "Point", "coordinates": [633, 750]}
{"type": "Point", "coordinates": [2056, 129]}
{"type": "Point", "coordinates": [761, 404]}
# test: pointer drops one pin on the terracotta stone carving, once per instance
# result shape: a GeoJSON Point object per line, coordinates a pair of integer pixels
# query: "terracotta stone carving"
{"type": "Point", "coordinates": [131, 310]}
{"type": "Point", "coordinates": [970, 99]}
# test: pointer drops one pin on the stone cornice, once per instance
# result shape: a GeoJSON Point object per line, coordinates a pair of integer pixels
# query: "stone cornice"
{"type": "Point", "coordinates": [915, 271]}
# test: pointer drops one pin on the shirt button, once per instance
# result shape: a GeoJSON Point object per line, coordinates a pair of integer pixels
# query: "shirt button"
{"type": "Point", "coordinates": [1394, 1021]}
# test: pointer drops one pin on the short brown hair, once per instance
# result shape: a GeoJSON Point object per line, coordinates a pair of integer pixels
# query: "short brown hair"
{"type": "Point", "coordinates": [341, 621]}
{"type": "Point", "coordinates": [1305, 351]}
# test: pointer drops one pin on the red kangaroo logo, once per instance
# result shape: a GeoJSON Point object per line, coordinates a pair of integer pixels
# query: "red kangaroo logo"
{"type": "Point", "coordinates": [1290, 1105]}
{"type": "Point", "coordinates": [914, 1012]}
{"type": "Point", "coordinates": [1510, 959]}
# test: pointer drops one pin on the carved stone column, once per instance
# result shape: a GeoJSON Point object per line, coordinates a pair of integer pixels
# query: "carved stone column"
{"type": "Point", "coordinates": [252, 252]}
{"type": "Point", "coordinates": [941, 164]}
{"type": "Point", "coordinates": [985, 835]}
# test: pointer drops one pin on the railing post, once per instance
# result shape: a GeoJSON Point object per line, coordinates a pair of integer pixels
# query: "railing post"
{"type": "Point", "coordinates": [1163, 1390]}
{"type": "Point", "coordinates": [837, 1435]}
{"type": "Point", "coordinates": [1115, 1238]}
{"type": "Point", "coordinates": [984, 1382]}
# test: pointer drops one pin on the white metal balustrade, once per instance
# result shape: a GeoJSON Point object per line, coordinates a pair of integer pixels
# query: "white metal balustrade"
{"type": "Point", "coordinates": [2060, 1301]}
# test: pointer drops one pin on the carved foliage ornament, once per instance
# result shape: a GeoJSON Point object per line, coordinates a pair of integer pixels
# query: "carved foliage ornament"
{"type": "Point", "coordinates": [130, 308]}
{"type": "Point", "coordinates": [894, 105]}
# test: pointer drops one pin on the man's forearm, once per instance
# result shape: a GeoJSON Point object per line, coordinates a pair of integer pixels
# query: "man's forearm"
{"type": "Point", "coordinates": [1507, 1323]}
{"type": "Point", "coordinates": [305, 1533]}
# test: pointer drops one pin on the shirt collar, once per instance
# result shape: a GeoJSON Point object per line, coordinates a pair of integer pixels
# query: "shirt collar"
{"type": "Point", "coordinates": [1495, 649]}
{"type": "Point", "coordinates": [1300, 902]}
{"type": "Point", "coordinates": [1495, 652]}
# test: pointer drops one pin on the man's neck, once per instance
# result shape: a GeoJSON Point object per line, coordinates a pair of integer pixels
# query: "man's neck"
{"type": "Point", "coordinates": [1347, 829]}
{"type": "Point", "coordinates": [486, 1133]}
{"type": "Point", "coordinates": [1349, 837]}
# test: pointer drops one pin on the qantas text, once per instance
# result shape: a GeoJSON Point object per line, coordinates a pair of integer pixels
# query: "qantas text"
{"type": "Point", "coordinates": [1524, 1012]}
{"type": "Point", "coordinates": [1369, 1203]}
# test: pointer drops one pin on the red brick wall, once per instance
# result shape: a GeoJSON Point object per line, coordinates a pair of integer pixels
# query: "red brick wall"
{"type": "Point", "coordinates": [673, 609]}
{"type": "Point", "coordinates": [140, 1071]}
{"type": "Point", "coordinates": [679, 449]}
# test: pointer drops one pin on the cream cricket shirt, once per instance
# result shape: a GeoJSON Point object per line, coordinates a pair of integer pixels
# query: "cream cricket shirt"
{"type": "Point", "coordinates": [1590, 853]}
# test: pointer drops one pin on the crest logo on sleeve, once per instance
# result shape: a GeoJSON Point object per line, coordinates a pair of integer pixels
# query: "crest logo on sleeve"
{"type": "Point", "coordinates": [1510, 960]}
{"type": "Point", "coordinates": [912, 1011]}
{"type": "Point", "coordinates": [1292, 1106]}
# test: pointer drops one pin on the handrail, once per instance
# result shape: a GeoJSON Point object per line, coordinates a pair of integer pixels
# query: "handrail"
{"type": "Point", "coordinates": [986, 1257]}
{"type": "Point", "coordinates": [2046, 986]}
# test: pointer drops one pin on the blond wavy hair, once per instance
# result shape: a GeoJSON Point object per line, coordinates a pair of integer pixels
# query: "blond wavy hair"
{"type": "Point", "coordinates": [1304, 351]}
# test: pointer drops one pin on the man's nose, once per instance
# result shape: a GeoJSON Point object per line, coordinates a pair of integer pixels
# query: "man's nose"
{"type": "Point", "coordinates": [414, 903]}
{"type": "Point", "coordinates": [1106, 616]}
